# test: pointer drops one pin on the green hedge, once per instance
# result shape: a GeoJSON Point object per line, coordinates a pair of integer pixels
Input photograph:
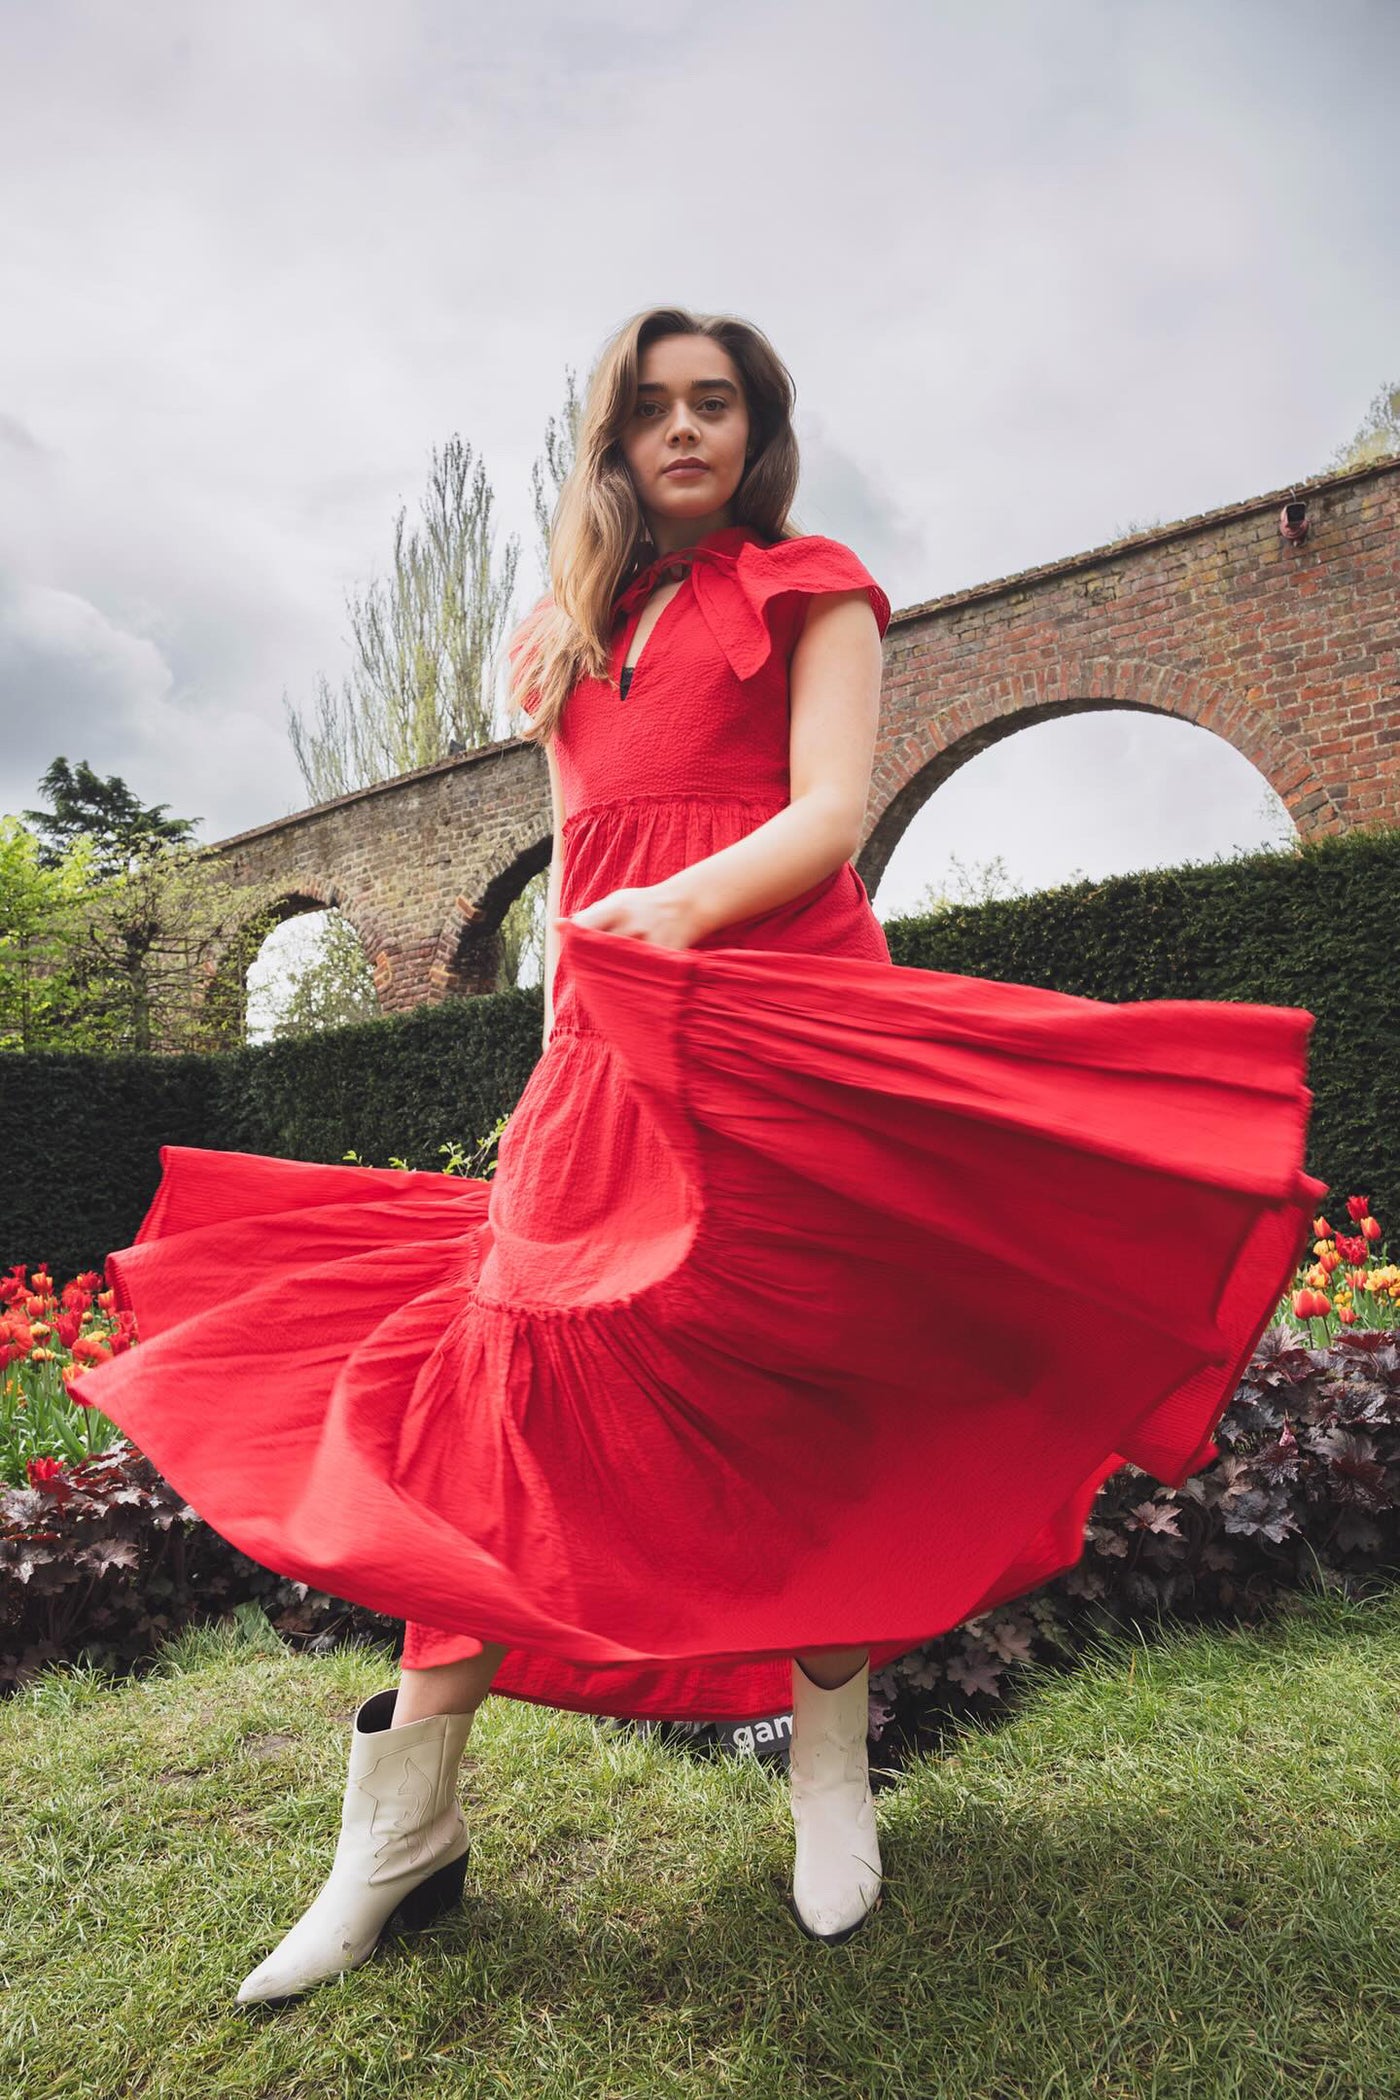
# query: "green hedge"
{"type": "Point", "coordinates": [1311, 928]}
{"type": "Point", "coordinates": [83, 1134]}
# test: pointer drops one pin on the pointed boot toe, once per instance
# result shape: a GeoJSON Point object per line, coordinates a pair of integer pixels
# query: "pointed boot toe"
{"type": "Point", "coordinates": [401, 1857]}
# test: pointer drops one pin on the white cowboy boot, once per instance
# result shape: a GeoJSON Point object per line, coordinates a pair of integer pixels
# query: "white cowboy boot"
{"type": "Point", "coordinates": [837, 1877]}
{"type": "Point", "coordinates": [402, 1848]}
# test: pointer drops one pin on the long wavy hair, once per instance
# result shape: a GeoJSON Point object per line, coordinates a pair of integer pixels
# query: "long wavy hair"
{"type": "Point", "coordinates": [598, 534]}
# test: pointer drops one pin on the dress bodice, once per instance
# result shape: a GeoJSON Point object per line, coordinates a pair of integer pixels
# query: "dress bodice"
{"type": "Point", "coordinates": [690, 750]}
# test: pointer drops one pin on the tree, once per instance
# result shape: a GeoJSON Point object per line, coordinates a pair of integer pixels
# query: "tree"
{"type": "Point", "coordinates": [1378, 435]}
{"type": "Point", "coordinates": [560, 446]}
{"type": "Point", "coordinates": [34, 899]}
{"type": "Point", "coordinates": [425, 641]}
{"type": "Point", "coordinates": [522, 926]}
{"type": "Point", "coordinates": [980, 885]}
{"type": "Point", "coordinates": [152, 959]}
{"type": "Point", "coordinates": [113, 927]}
{"type": "Point", "coordinates": [105, 811]}
{"type": "Point", "coordinates": [159, 955]}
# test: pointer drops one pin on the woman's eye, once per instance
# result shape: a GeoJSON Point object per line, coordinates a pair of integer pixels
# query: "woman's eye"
{"type": "Point", "coordinates": [716, 401]}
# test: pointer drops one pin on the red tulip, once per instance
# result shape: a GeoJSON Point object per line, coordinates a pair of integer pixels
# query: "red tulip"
{"type": "Point", "coordinates": [16, 1337]}
{"type": "Point", "coordinates": [1357, 1207]}
{"type": "Point", "coordinates": [47, 1474]}
{"type": "Point", "coordinates": [1346, 1316]}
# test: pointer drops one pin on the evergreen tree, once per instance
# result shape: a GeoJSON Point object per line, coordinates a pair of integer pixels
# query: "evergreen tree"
{"type": "Point", "coordinates": [122, 829]}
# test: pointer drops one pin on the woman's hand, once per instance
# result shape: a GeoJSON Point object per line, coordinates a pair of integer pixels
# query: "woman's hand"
{"type": "Point", "coordinates": [651, 913]}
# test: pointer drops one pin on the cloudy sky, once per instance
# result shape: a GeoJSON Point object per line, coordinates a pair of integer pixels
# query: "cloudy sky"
{"type": "Point", "coordinates": [1041, 273]}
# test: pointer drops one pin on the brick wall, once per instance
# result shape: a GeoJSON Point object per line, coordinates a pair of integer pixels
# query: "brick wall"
{"type": "Point", "coordinates": [1289, 652]}
{"type": "Point", "coordinates": [1292, 653]}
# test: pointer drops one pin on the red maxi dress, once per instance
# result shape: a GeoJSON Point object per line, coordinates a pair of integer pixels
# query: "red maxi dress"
{"type": "Point", "coordinates": [813, 1297]}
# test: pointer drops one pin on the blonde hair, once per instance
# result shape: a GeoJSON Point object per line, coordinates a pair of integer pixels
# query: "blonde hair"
{"type": "Point", "coordinates": [598, 535]}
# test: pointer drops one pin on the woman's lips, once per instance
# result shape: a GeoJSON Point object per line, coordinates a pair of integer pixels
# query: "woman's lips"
{"type": "Point", "coordinates": [691, 466]}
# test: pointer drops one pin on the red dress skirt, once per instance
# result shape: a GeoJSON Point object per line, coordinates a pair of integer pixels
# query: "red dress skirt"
{"type": "Point", "coordinates": [812, 1300]}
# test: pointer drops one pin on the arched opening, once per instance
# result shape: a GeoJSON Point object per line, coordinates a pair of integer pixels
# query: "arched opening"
{"type": "Point", "coordinates": [310, 972]}
{"type": "Point", "coordinates": [522, 933]}
{"type": "Point", "coordinates": [1035, 801]}
{"type": "Point", "coordinates": [494, 941]}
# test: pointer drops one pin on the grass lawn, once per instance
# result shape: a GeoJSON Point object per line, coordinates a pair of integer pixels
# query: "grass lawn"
{"type": "Point", "coordinates": [1175, 1872]}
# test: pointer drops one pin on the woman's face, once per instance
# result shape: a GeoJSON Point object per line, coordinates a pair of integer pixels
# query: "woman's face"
{"type": "Point", "coordinates": [690, 407]}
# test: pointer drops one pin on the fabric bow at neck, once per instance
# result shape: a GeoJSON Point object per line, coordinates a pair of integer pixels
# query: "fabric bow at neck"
{"type": "Point", "coordinates": [729, 589]}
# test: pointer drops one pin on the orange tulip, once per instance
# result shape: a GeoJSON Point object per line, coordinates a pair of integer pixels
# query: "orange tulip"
{"type": "Point", "coordinates": [1371, 1228]}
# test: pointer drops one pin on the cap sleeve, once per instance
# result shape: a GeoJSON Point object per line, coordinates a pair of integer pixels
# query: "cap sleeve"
{"type": "Point", "coordinates": [763, 613]}
{"type": "Point", "coordinates": [520, 642]}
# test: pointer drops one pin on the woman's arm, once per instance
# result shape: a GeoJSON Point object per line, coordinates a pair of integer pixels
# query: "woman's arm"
{"type": "Point", "coordinates": [551, 938]}
{"type": "Point", "coordinates": [835, 715]}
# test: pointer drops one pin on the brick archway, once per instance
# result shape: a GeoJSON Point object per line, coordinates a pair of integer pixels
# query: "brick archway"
{"type": "Point", "coordinates": [307, 893]}
{"type": "Point", "coordinates": [466, 959]}
{"type": "Point", "coordinates": [905, 777]}
{"type": "Point", "coordinates": [1290, 651]}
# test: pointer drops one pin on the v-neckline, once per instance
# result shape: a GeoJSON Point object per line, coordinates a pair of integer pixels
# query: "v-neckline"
{"type": "Point", "coordinates": [630, 629]}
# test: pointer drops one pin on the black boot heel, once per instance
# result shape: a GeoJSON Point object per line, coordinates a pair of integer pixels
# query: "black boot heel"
{"type": "Point", "coordinates": [433, 1896]}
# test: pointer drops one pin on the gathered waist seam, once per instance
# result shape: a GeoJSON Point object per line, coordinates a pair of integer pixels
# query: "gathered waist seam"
{"type": "Point", "coordinates": [775, 799]}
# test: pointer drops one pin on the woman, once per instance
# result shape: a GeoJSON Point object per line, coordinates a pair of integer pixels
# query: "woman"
{"type": "Point", "coordinates": [705, 1404]}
